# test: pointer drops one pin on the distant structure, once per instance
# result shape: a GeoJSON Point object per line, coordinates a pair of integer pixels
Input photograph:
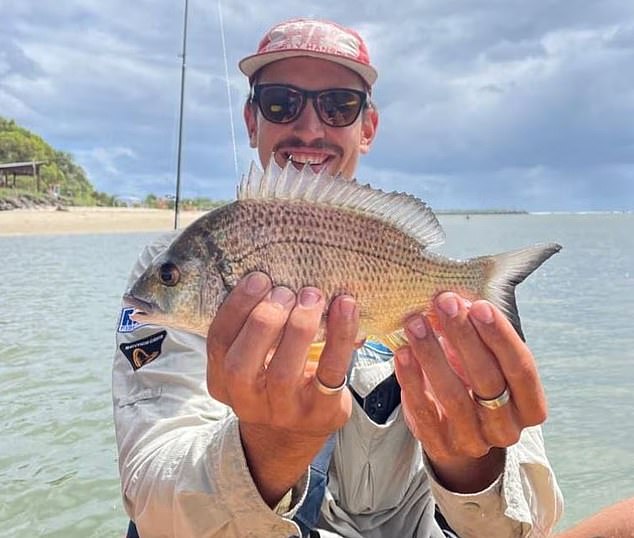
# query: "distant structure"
{"type": "Point", "coordinates": [127, 201]}
{"type": "Point", "coordinates": [30, 168]}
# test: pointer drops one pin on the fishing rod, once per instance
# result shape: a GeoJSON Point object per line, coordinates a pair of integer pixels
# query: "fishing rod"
{"type": "Point", "coordinates": [182, 100]}
{"type": "Point", "coordinates": [180, 120]}
{"type": "Point", "coordinates": [228, 88]}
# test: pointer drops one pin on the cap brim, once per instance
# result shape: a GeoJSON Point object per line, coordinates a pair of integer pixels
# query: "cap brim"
{"type": "Point", "coordinates": [251, 64]}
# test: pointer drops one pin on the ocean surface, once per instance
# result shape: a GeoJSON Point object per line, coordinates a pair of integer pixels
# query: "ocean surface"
{"type": "Point", "coordinates": [59, 302]}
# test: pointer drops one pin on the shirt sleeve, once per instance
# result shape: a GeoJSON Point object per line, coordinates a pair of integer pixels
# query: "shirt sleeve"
{"type": "Point", "coordinates": [524, 501]}
{"type": "Point", "coordinates": [182, 466]}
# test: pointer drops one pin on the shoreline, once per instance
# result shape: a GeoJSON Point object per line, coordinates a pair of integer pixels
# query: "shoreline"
{"type": "Point", "coordinates": [106, 220]}
{"type": "Point", "coordinates": [91, 220]}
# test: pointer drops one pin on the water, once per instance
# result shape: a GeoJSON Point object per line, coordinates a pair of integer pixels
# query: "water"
{"type": "Point", "coordinates": [59, 298]}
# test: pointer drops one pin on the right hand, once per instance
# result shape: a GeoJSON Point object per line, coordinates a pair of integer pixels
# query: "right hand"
{"type": "Point", "coordinates": [256, 363]}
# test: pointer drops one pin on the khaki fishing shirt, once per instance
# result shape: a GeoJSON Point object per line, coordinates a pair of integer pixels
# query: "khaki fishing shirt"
{"type": "Point", "coordinates": [184, 473]}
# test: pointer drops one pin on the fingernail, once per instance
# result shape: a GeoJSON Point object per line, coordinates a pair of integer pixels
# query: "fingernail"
{"type": "Point", "coordinates": [282, 295]}
{"type": "Point", "coordinates": [448, 303]}
{"type": "Point", "coordinates": [347, 306]}
{"type": "Point", "coordinates": [257, 283]}
{"type": "Point", "coordinates": [417, 326]}
{"type": "Point", "coordinates": [309, 297]}
{"type": "Point", "coordinates": [482, 312]}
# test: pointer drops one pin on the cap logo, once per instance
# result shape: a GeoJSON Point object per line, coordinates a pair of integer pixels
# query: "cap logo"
{"type": "Point", "coordinates": [312, 37]}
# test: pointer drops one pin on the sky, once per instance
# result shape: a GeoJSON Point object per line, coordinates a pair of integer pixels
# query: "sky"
{"type": "Point", "coordinates": [503, 104]}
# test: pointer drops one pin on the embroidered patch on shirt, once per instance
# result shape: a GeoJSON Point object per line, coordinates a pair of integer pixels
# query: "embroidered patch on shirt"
{"type": "Point", "coordinates": [126, 323]}
{"type": "Point", "coordinates": [144, 351]}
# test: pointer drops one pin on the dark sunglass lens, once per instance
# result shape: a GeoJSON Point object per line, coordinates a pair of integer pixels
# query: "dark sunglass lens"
{"type": "Point", "coordinates": [279, 104]}
{"type": "Point", "coordinates": [340, 107]}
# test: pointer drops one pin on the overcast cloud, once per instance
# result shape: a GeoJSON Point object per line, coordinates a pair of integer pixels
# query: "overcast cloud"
{"type": "Point", "coordinates": [485, 104]}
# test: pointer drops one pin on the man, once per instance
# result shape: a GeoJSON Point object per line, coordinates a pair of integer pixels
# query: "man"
{"type": "Point", "coordinates": [459, 430]}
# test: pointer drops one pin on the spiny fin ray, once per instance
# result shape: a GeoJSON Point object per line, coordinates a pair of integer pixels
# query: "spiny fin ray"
{"type": "Point", "coordinates": [404, 211]}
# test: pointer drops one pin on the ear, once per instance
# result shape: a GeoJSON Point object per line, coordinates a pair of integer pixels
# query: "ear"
{"type": "Point", "coordinates": [369, 126]}
{"type": "Point", "coordinates": [251, 122]}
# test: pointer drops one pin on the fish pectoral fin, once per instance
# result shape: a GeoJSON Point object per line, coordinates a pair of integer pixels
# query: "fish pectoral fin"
{"type": "Point", "coordinates": [393, 340]}
{"type": "Point", "coordinates": [316, 348]}
{"type": "Point", "coordinates": [314, 351]}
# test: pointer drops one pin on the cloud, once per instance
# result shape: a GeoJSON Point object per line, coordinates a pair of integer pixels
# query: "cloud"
{"type": "Point", "coordinates": [494, 103]}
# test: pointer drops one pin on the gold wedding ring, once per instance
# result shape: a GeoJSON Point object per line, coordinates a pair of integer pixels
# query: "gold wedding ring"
{"type": "Point", "coordinates": [325, 389]}
{"type": "Point", "coordinates": [494, 403]}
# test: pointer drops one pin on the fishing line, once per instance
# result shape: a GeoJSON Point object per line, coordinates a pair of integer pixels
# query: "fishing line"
{"type": "Point", "coordinates": [224, 54]}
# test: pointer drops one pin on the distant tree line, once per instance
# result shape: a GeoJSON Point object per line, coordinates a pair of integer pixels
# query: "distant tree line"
{"type": "Point", "coordinates": [61, 175]}
{"type": "Point", "coordinates": [200, 203]}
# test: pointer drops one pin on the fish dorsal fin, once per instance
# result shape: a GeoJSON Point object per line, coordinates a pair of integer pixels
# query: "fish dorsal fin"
{"type": "Point", "coordinates": [404, 211]}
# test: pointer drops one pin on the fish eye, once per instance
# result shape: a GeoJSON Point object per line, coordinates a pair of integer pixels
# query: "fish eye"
{"type": "Point", "coordinates": [169, 274]}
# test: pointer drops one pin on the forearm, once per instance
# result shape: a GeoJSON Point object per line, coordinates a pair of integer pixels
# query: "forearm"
{"type": "Point", "coordinates": [616, 521]}
{"type": "Point", "coordinates": [524, 500]}
{"type": "Point", "coordinates": [277, 460]}
{"type": "Point", "coordinates": [183, 470]}
{"type": "Point", "coordinates": [195, 481]}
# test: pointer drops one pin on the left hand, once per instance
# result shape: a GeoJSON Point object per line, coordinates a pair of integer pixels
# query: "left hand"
{"type": "Point", "coordinates": [478, 355]}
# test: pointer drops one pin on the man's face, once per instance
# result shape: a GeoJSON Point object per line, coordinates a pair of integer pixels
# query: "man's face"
{"type": "Point", "coordinates": [308, 139]}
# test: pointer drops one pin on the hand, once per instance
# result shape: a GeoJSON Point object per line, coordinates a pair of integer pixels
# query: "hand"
{"type": "Point", "coordinates": [256, 349]}
{"type": "Point", "coordinates": [479, 353]}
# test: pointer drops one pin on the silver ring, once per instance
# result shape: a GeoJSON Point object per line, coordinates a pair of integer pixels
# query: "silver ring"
{"type": "Point", "coordinates": [325, 389]}
{"type": "Point", "coordinates": [494, 403]}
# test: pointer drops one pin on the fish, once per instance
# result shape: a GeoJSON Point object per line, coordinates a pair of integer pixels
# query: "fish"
{"type": "Point", "coordinates": [307, 228]}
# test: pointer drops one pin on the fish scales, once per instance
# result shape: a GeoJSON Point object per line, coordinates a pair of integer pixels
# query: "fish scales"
{"type": "Point", "coordinates": [342, 237]}
{"type": "Point", "coordinates": [299, 244]}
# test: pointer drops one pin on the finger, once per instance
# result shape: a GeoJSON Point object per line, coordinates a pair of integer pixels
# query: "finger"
{"type": "Point", "coordinates": [286, 369]}
{"type": "Point", "coordinates": [452, 395]}
{"type": "Point", "coordinates": [416, 393]}
{"type": "Point", "coordinates": [245, 360]}
{"type": "Point", "coordinates": [227, 324]}
{"type": "Point", "coordinates": [499, 426]}
{"type": "Point", "coordinates": [421, 410]}
{"type": "Point", "coordinates": [515, 359]}
{"type": "Point", "coordinates": [235, 309]}
{"type": "Point", "coordinates": [445, 382]}
{"type": "Point", "coordinates": [341, 334]}
{"type": "Point", "coordinates": [453, 359]}
{"type": "Point", "coordinates": [480, 365]}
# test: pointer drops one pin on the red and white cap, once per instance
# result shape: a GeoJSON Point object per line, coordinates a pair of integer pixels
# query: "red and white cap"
{"type": "Point", "coordinates": [314, 38]}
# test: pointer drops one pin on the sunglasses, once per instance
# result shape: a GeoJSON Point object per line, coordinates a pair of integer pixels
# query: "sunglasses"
{"type": "Point", "coordinates": [336, 107]}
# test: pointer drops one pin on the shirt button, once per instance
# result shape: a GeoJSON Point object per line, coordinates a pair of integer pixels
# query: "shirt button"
{"type": "Point", "coordinates": [471, 506]}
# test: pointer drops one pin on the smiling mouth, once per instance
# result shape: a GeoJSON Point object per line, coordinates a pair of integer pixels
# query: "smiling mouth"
{"type": "Point", "coordinates": [316, 161]}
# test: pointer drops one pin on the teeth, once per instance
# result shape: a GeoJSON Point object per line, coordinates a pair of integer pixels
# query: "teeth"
{"type": "Point", "coordinates": [306, 159]}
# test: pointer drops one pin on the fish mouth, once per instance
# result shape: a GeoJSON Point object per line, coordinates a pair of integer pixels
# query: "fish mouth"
{"type": "Point", "coordinates": [142, 309]}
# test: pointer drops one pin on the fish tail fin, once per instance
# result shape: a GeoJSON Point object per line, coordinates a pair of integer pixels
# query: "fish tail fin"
{"type": "Point", "coordinates": [505, 271]}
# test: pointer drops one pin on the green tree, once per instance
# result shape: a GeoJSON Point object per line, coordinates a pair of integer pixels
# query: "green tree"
{"type": "Point", "coordinates": [151, 200]}
{"type": "Point", "coordinates": [18, 144]}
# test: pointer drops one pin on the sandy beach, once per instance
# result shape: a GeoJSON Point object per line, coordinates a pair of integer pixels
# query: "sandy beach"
{"type": "Point", "coordinates": [78, 220]}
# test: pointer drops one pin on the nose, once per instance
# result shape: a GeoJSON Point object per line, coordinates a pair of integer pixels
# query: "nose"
{"type": "Point", "coordinates": [308, 126]}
